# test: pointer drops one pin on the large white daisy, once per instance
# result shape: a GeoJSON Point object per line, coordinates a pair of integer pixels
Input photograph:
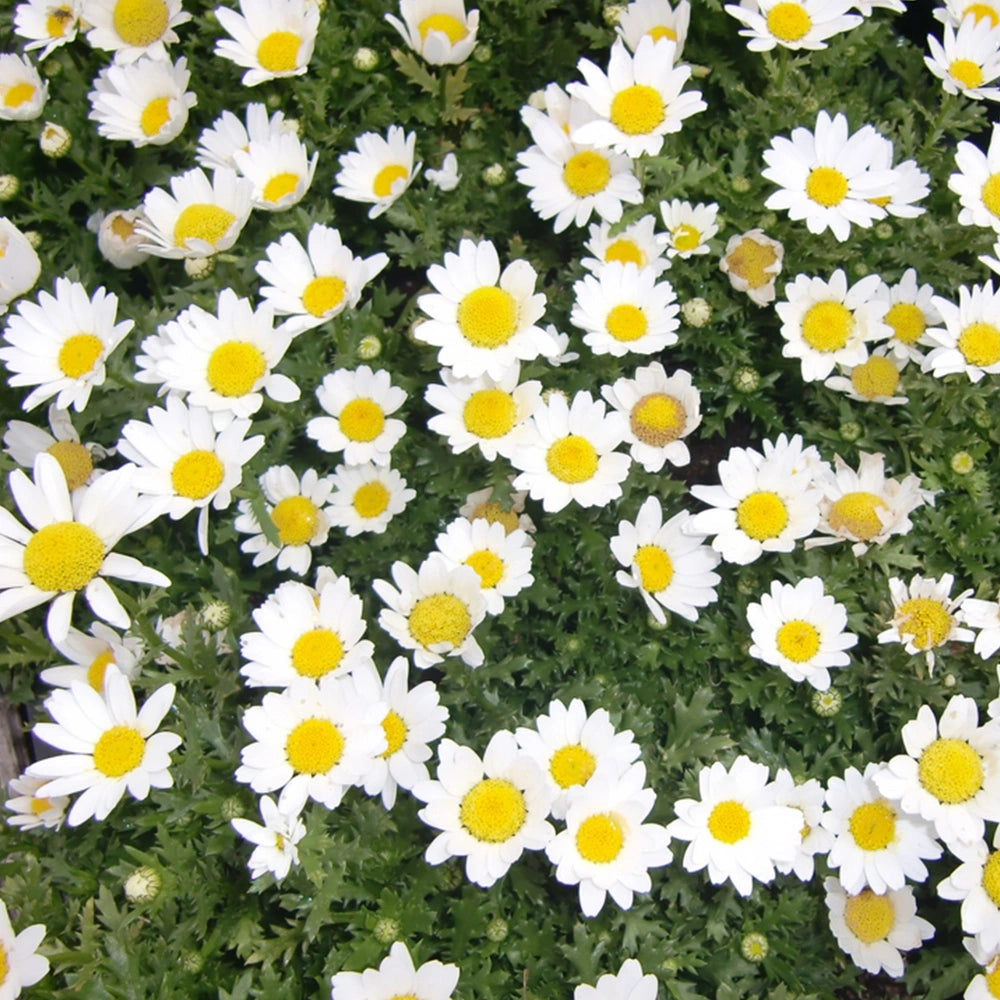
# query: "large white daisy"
{"type": "Point", "coordinates": [976, 884]}
{"type": "Point", "coordinates": [969, 341]}
{"type": "Point", "coordinates": [367, 497]}
{"type": "Point", "coordinates": [90, 657]}
{"type": "Point", "coordinates": [397, 977]}
{"type": "Point", "coordinates": [133, 28]}
{"type": "Point", "coordinates": [792, 24]}
{"type": "Point", "coordinates": [967, 59]}
{"type": "Point", "coordinates": [47, 23]}
{"type": "Point", "coordinates": [439, 31]}
{"type": "Point", "coordinates": [911, 312]}
{"type": "Point", "coordinates": [378, 170]}
{"type": "Point", "coordinates": [656, 18]}
{"type": "Point", "coordinates": [271, 39]}
{"type": "Point", "coordinates": [977, 182]}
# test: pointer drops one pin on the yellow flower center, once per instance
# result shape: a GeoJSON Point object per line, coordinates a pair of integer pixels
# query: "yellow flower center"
{"type": "Point", "coordinates": [992, 977]}
{"type": "Point", "coordinates": [95, 672]}
{"type": "Point", "coordinates": [873, 826]}
{"type": "Point", "coordinates": [788, 22]}
{"type": "Point", "coordinates": [196, 474]}
{"type": "Point", "coordinates": [395, 733]}
{"type": "Point", "coordinates": [446, 24]}
{"type": "Point", "coordinates": [925, 620]}
{"type": "Point", "coordinates": [278, 52]}
{"type": "Point", "coordinates": [4, 965]}
{"type": "Point", "coordinates": [440, 618]}
{"type": "Point", "coordinates": [280, 185]}
{"type": "Point", "coordinates": [323, 294]}
{"type": "Point", "coordinates": [495, 514]}
{"type": "Point", "coordinates": [981, 10]}
{"type": "Point", "coordinates": [572, 459]}
{"type": "Point", "coordinates": [489, 413]}
{"type": "Point", "coordinates": [297, 520]}
{"type": "Point", "coordinates": [685, 237]}
{"type": "Point", "coordinates": [657, 419]}
{"type": "Point", "coordinates": [79, 354]}
{"type": "Point", "coordinates": [74, 460]}
{"type": "Point", "coordinates": [487, 316]}
{"type": "Point", "coordinates": [572, 765]}
{"type": "Point", "coordinates": [19, 94]}
{"type": "Point", "coordinates": [56, 24]}
{"type": "Point", "coordinates": [656, 569]}
{"type": "Point", "coordinates": [234, 368]}
{"type": "Point", "coordinates": [317, 652]}
{"type": "Point", "coordinates": [662, 31]}
{"type": "Point", "coordinates": [121, 227]}
{"type": "Point", "coordinates": [202, 221]}
{"type": "Point", "coordinates": [876, 378]}
{"type": "Point", "coordinates": [386, 177]}
{"type": "Point", "coordinates": [140, 22]}
{"type": "Point", "coordinates": [750, 260]}
{"type": "Point", "coordinates": [991, 194]}
{"type": "Point", "coordinates": [362, 420]}
{"type": "Point", "coordinates": [980, 344]}
{"type": "Point", "coordinates": [154, 116]}
{"type": "Point", "coordinates": [63, 556]}
{"type": "Point", "coordinates": [826, 186]}
{"type": "Point", "coordinates": [797, 640]}
{"type": "Point", "coordinates": [762, 515]}
{"type": "Point", "coordinates": [869, 917]}
{"type": "Point", "coordinates": [827, 326]}
{"type": "Point", "coordinates": [371, 500]}
{"type": "Point", "coordinates": [600, 838]}
{"type": "Point", "coordinates": [729, 821]}
{"type": "Point", "coordinates": [38, 806]}
{"type": "Point", "coordinates": [488, 565]}
{"type": "Point", "coordinates": [950, 770]}
{"type": "Point", "coordinates": [857, 514]}
{"type": "Point", "coordinates": [586, 173]}
{"type": "Point", "coordinates": [626, 251]}
{"type": "Point", "coordinates": [119, 750]}
{"type": "Point", "coordinates": [637, 110]}
{"type": "Point", "coordinates": [314, 746]}
{"type": "Point", "coordinates": [493, 810]}
{"type": "Point", "coordinates": [907, 321]}
{"type": "Point", "coordinates": [626, 323]}
{"type": "Point", "coordinates": [966, 72]}
{"type": "Point", "coordinates": [991, 878]}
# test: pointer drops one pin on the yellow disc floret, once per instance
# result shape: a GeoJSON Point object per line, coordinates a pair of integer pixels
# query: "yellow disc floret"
{"type": "Point", "coordinates": [980, 344]}
{"type": "Point", "coordinates": [657, 419]}
{"type": "Point", "coordinates": [446, 24]}
{"type": "Point", "coordinates": [626, 323]}
{"type": "Point", "coordinates": [873, 825]}
{"type": "Point", "coordinates": [856, 514]}
{"type": "Point", "coordinates": [140, 22]}
{"type": "Point", "coordinates": [586, 173]}
{"type": "Point", "coordinates": [97, 668]}
{"type": "Point", "coordinates": [788, 22]}
{"type": "Point", "coordinates": [395, 733]}
{"type": "Point", "coordinates": [797, 640]}
{"type": "Point", "coordinates": [493, 810]}
{"type": "Point", "coordinates": [827, 326]}
{"type": "Point", "coordinates": [495, 514]}
{"type": "Point", "coordinates": [907, 321]}
{"type": "Point", "coordinates": [74, 460]}
{"type": "Point", "coordinates": [316, 652]}
{"type": "Point", "coordinates": [685, 238]}
{"type": "Point", "coordinates": [869, 917]}
{"type": "Point", "coordinates": [197, 474]}
{"type": "Point", "coordinates": [63, 556]}
{"type": "Point", "coordinates": [625, 251]}
{"type": "Point", "coordinates": [440, 618]}
{"type": "Point", "coordinates": [729, 821]}
{"type": "Point", "coordinates": [967, 73]}
{"type": "Point", "coordinates": [362, 420]}
{"type": "Point", "coordinates": [56, 24]}
{"type": "Point", "coordinates": [600, 838]}
{"type": "Point", "coordinates": [154, 116]}
{"type": "Point", "coordinates": [656, 569]}
{"type": "Point", "coordinates": [487, 316]}
{"type": "Point", "coordinates": [826, 186]}
{"type": "Point", "coordinates": [876, 378]}
{"type": "Point", "coordinates": [572, 459]}
{"type": "Point", "coordinates": [280, 185]}
{"type": "Point", "coordinates": [488, 565]}
{"type": "Point", "coordinates": [925, 621]}
{"type": "Point", "coordinates": [323, 294]}
{"type": "Point", "coordinates": [202, 221]}
{"type": "Point", "coordinates": [991, 878]}
{"type": "Point", "coordinates": [79, 354]}
{"type": "Point", "coordinates": [990, 194]}
{"type": "Point", "coordinates": [489, 413]}
{"type": "Point", "coordinates": [234, 368]}
{"type": "Point", "coordinates": [314, 746]}
{"type": "Point", "coordinates": [386, 177]}
{"type": "Point", "coordinates": [661, 31]}
{"type": "Point", "coordinates": [762, 515]}
{"type": "Point", "coordinates": [950, 770]}
{"type": "Point", "coordinates": [278, 52]}
{"type": "Point", "coordinates": [572, 765]}
{"type": "Point", "coordinates": [119, 750]}
{"type": "Point", "coordinates": [297, 519]}
{"type": "Point", "coordinates": [371, 499]}
{"type": "Point", "coordinates": [991, 973]}
{"type": "Point", "coordinates": [751, 261]}
{"type": "Point", "coordinates": [637, 110]}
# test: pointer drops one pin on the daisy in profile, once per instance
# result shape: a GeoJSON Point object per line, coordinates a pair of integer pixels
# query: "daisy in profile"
{"type": "Point", "coordinates": [656, 18]}
{"type": "Point", "coordinates": [985, 985]}
{"type": "Point", "coordinates": [305, 633]}
{"type": "Point", "coordinates": [571, 455]}
{"type": "Point", "coordinates": [984, 616]}
{"type": "Point", "coordinates": [909, 184]}
{"type": "Point", "coordinates": [808, 798]}
{"type": "Point", "coordinates": [299, 515]}
{"type": "Point", "coordinates": [825, 176]}
{"type": "Point", "coordinates": [638, 243]}
{"type": "Point", "coordinates": [668, 567]}
{"type": "Point", "coordinates": [61, 344]}
{"type": "Point", "coordinates": [379, 170]}
{"type": "Point", "coordinates": [68, 548]}
{"type": "Point", "coordinates": [281, 170]}
{"type": "Point", "coordinates": [571, 746]}
{"type": "Point", "coordinates": [199, 217]}
{"type": "Point", "coordinates": [875, 928]}
{"type": "Point", "coordinates": [47, 23]}
{"type": "Point", "coordinates": [19, 264]}
{"type": "Point", "coordinates": [274, 842]}
{"type": "Point", "coordinates": [689, 227]}
{"type": "Point", "coordinates": [625, 309]}
{"type": "Point", "coordinates": [735, 830]}
{"type": "Point", "coordinates": [366, 497]}
{"type": "Point", "coordinates": [218, 144]}
{"type": "Point", "coordinates": [661, 409]}
{"type": "Point", "coordinates": [976, 884]}
{"type": "Point", "coordinates": [639, 101]}
{"type": "Point", "coordinates": [360, 405]}
{"type": "Point", "coordinates": [31, 811]}
{"type": "Point", "coordinates": [925, 616]}
{"type": "Point", "coordinates": [606, 848]}
{"type": "Point", "coordinates": [396, 976]}
{"type": "Point", "coordinates": [314, 283]}
{"type": "Point", "coordinates": [271, 39]}
{"type": "Point", "coordinates": [800, 24]}
{"type": "Point", "coordinates": [24, 442]}
{"type": "Point", "coordinates": [22, 92]}
{"type": "Point", "coordinates": [110, 748]}
{"type": "Point", "coordinates": [447, 177]}
{"type": "Point", "coordinates": [488, 810]}
{"type": "Point", "coordinates": [950, 773]}
{"type": "Point", "coordinates": [954, 12]}
{"type": "Point", "coordinates": [968, 59]}
{"type": "Point", "coordinates": [117, 238]}
{"type": "Point", "coordinates": [133, 28]}
{"type": "Point", "coordinates": [181, 458]}
{"type": "Point", "coordinates": [977, 182]}
{"type": "Point", "coordinates": [439, 31]}
{"type": "Point", "coordinates": [752, 261]}
{"type": "Point", "coordinates": [22, 966]}
{"type": "Point", "coordinates": [433, 611]}
{"type": "Point", "coordinates": [91, 656]}
{"type": "Point", "coordinates": [912, 310]}
{"type": "Point", "coordinates": [969, 340]}
{"type": "Point", "coordinates": [629, 982]}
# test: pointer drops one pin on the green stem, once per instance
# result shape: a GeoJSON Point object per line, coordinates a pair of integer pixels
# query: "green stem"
{"type": "Point", "coordinates": [783, 58]}
{"type": "Point", "coordinates": [936, 129]}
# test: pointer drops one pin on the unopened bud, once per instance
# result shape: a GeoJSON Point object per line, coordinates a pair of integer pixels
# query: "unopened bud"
{"type": "Point", "coordinates": [746, 379]}
{"type": "Point", "coordinates": [369, 348]}
{"type": "Point", "coordinates": [386, 930]}
{"type": "Point", "coordinates": [142, 886]}
{"type": "Point", "coordinates": [365, 59]}
{"type": "Point", "coordinates": [494, 175]}
{"type": "Point", "coordinates": [754, 947]}
{"type": "Point", "coordinates": [962, 463]}
{"type": "Point", "coordinates": [55, 140]}
{"type": "Point", "coordinates": [197, 268]}
{"type": "Point", "coordinates": [216, 615]}
{"type": "Point", "coordinates": [9, 186]}
{"type": "Point", "coordinates": [497, 929]}
{"type": "Point", "coordinates": [696, 312]}
{"type": "Point", "coordinates": [826, 704]}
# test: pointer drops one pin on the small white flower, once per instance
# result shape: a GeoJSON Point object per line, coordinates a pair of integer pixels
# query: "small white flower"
{"type": "Point", "coordinates": [275, 841]}
{"type": "Point", "coordinates": [985, 616]}
{"type": "Point", "coordinates": [271, 39]}
{"type": "Point", "coordinates": [22, 92]}
{"type": "Point", "coordinates": [976, 883]}
{"type": "Point", "coordinates": [628, 983]}
{"type": "Point", "coordinates": [380, 169]}
{"type": "Point", "coordinates": [438, 30]}
{"type": "Point", "coordinates": [218, 144]}
{"type": "Point", "coordinates": [753, 261]}
{"type": "Point", "coordinates": [367, 497]}
{"type": "Point", "coordinates": [133, 28]}
{"type": "Point", "coordinates": [969, 341]}
{"type": "Point", "coordinates": [396, 977]}
{"type": "Point", "coordinates": [32, 811]}
{"type": "Point", "coordinates": [281, 170]}
{"type": "Point", "coordinates": [799, 24]}
{"type": "Point", "coordinates": [977, 182]}
{"type": "Point", "coordinates": [638, 243]}
{"type": "Point", "coordinates": [23, 966]}
{"type": "Point", "coordinates": [807, 797]}
{"type": "Point", "coordinates": [967, 59]}
{"type": "Point", "coordinates": [91, 656]}
{"type": "Point", "coordinates": [447, 178]}
{"type": "Point", "coordinates": [19, 264]}
{"type": "Point", "coordinates": [689, 227]}
{"type": "Point", "coordinates": [24, 442]}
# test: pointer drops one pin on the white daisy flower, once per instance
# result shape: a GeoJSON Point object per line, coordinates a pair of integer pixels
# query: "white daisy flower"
{"type": "Point", "coordinates": [689, 227]}
{"type": "Point", "coordinates": [321, 738]}
{"type": "Point", "coordinates": [967, 59]}
{"type": "Point", "coordinates": [271, 39]}
{"type": "Point", "coordinates": [825, 323]}
{"type": "Point", "coordinates": [875, 380]}
{"type": "Point", "coordinates": [23, 967]}
{"type": "Point", "coordinates": [808, 798]}
{"type": "Point", "coordinates": [305, 633]}
{"type": "Point", "coordinates": [483, 320]}
{"type": "Point", "coordinates": [668, 567]}
{"type": "Point", "coordinates": [753, 261]}
{"type": "Point", "coordinates": [977, 182]}
{"type": "Point", "coordinates": [985, 985]}
{"type": "Point", "coordinates": [571, 746]}
{"type": "Point", "coordinates": [396, 976]}
{"type": "Point", "coordinates": [628, 983]}
{"type": "Point", "coordinates": [625, 309]}
{"type": "Point", "coordinates": [873, 928]}
{"type": "Point", "coordinates": [218, 144]}
{"type": "Point", "coordinates": [954, 12]}
{"type": "Point", "coordinates": [826, 176]}
{"type": "Point", "coordinates": [606, 847]}
{"type": "Point", "coordinates": [735, 830]}
{"type": "Point", "coordinates": [24, 442]}
{"type": "Point", "coordinates": [366, 498]}
{"type": "Point", "coordinates": [489, 811]}
{"type": "Point", "coordinates": [637, 243]}
{"type": "Point", "coordinates": [19, 264]}
{"type": "Point", "coordinates": [299, 511]}
{"type": "Point", "coordinates": [110, 748]}
{"type": "Point", "coordinates": [223, 362]}
{"type": "Point", "coordinates": [437, 30]}
{"type": "Point", "coordinates": [22, 92]}
{"type": "Point", "coordinates": [976, 884]}
{"type": "Point", "coordinates": [415, 719]}
{"type": "Point", "coordinates": [68, 547]}
{"type": "Point", "coordinates": [133, 28]}
{"type": "Point", "coordinates": [485, 412]}
{"type": "Point", "coordinates": [447, 178]}
{"type": "Point", "coordinates": [950, 773]}
{"type": "Point", "coordinates": [657, 19]}
{"type": "Point", "coordinates": [281, 170]}
{"type": "Point", "coordinates": [312, 284]}
{"type": "Point", "coordinates": [571, 454]}
{"type": "Point", "coordinates": [90, 656]}
{"type": "Point", "coordinates": [180, 456]}
{"type": "Point", "coordinates": [61, 343]}
{"type": "Point", "coordinates": [32, 811]}
{"type": "Point", "coordinates": [984, 616]}
{"type": "Point", "coordinates": [379, 170]}
{"type": "Point", "coordinates": [908, 184]}
{"type": "Point", "coordinates": [969, 341]}
{"type": "Point", "coordinates": [434, 611]}
{"type": "Point", "coordinates": [925, 616]}
{"type": "Point", "coordinates": [799, 24]}
{"type": "Point", "coordinates": [117, 237]}
{"type": "Point", "coordinates": [639, 101]}
{"type": "Point", "coordinates": [275, 841]}
{"type": "Point", "coordinates": [911, 312]}
{"type": "Point", "coordinates": [47, 23]}
{"type": "Point", "coordinates": [763, 504]}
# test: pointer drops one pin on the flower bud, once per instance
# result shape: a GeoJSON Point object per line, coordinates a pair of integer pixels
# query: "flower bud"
{"type": "Point", "coordinates": [495, 174]}
{"type": "Point", "coordinates": [369, 348]}
{"type": "Point", "coordinates": [497, 929]}
{"type": "Point", "coordinates": [962, 463]}
{"type": "Point", "coordinates": [365, 59]}
{"type": "Point", "coordinates": [386, 930]}
{"type": "Point", "coordinates": [746, 379]}
{"type": "Point", "coordinates": [9, 186]}
{"type": "Point", "coordinates": [142, 886]}
{"type": "Point", "coordinates": [231, 808]}
{"type": "Point", "coordinates": [696, 312]}
{"type": "Point", "coordinates": [216, 615]}
{"type": "Point", "coordinates": [850, 430]}
{"type": "Point", "coordinates": [198, 267]}
{"type": "Point", "coordinates": [754, 947]}
{"type": "Point", "coordinates": [828, 703]}
{"type": "Point", "coordinates": [55, 140]}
